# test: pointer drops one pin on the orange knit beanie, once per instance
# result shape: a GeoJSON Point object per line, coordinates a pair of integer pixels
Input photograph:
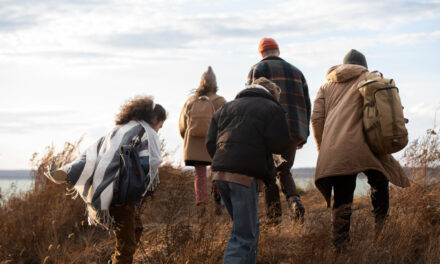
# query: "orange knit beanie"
{"type": "Point", "coordinates": [267, 44]}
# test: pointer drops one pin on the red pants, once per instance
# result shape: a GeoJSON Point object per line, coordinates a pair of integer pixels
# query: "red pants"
{"type": "Point", "coordinates": [200, 187]}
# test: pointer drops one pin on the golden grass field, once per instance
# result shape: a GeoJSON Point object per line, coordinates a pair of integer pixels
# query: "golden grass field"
{"type": "Point", "coordinates": [44, 225]}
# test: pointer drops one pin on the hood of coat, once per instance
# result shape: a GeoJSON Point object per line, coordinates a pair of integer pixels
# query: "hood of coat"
{"type": "Point", "coordinates": [256, 92]}
{"type": "Point", "coordinates": [345, 72]}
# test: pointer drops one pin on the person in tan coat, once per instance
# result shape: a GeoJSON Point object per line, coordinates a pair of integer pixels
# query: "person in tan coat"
{"type": "Point", "coordinates": [343, 149]}
{"type": "Point", "coordinates": [194, 149]}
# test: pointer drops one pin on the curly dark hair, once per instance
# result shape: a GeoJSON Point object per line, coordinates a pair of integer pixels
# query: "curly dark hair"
{"type": "Point", "coordinates": [141, 108]}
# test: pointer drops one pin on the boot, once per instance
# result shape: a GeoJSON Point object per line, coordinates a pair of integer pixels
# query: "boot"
{"type": "Point", "coordinates": [218, 203]}
{"type": "Point", "coordinates": [297, 208]}
{"type": "Point", "coordinates": [215, 193]}
{"type": "Point", "coordinates": [59, 175]}
{"type": "Point", "coordinates": [379, 223]}
{"type": "Point", "coordinates": [200, 209]}
{"type": "Point", "coordinates": [341, 227]}
{"type": "Point", "coordinates": [273, 204]}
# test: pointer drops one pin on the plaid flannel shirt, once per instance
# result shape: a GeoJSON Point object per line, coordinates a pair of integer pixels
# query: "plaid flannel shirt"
{"type": "Point", "coordinates": [294, 96]}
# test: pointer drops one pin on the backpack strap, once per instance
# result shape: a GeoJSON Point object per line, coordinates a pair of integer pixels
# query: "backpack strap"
{"type": "Point", "coordinates": [141, 133]}
{"type": "Point", "coordinates": [214, 98]}
{"type": "Point", "coordinates": [373, 75]}
{"type": "Point", "coordinates": [137, 139]}
{"type": "Point", "coordinates": [204, 97]}
{"type": "Point", "coordinates": [196, 98]}
{"type": "Point", "coordinates": [190, 104]}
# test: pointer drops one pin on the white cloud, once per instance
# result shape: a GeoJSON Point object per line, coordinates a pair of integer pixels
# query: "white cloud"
{"type": "Point", "coordinates": [424, 110]}
{"type": "Point", "coordinates": [411, 38]}
{"type": "Point", "coordinates": [26, 121]}
{"type": "Point", "coordinates": [111, 29]}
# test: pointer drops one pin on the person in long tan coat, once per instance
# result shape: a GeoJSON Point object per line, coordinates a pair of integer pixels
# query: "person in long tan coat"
{"type": "Point", "coordinates": [194, 148]}
{"type": "Point", "coordinates": [343, 149]}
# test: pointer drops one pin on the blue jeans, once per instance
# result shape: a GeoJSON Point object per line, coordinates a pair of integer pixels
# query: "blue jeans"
{"type": "Point", "coordinates": [242, 205]}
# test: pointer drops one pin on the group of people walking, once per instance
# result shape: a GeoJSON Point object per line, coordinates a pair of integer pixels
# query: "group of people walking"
{"type": "Point", "coordinates": [252, 142]}
{"type": "Point", "coordinates": [249, 143]}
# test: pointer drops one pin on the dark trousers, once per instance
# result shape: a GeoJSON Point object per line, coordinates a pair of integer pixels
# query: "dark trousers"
{"type": "Point", "coordinates": [128, 232]}
{"type": "Point", "coordinates": [343, 189]}
{"type": "Point", "coordinates": [288, 185]}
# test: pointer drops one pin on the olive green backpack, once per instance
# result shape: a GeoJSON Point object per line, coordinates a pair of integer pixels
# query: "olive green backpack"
{"type": "Point", "coordinates": [382, 114]}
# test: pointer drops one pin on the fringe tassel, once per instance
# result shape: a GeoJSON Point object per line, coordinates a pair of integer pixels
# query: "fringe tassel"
{"type": "Point", "coordinates": [72, 192]}
{"type": "Point", "coordinates": [47, 174]}
{"type": "Point", "coordinates": [95, 217]}
{"type": "Point", "coordinates": [100, 218]}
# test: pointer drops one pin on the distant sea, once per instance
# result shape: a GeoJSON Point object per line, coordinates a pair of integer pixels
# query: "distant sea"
{"type": "Point", "coordinates": [21, 180]}
{"type": "Point", "coordinates": [304, 178]}
{"type": "Point", "coordinates": [14, 181]}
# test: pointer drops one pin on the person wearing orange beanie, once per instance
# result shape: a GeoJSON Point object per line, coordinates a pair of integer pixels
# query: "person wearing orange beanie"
{"type": "Point", "coordinates": [295, 101]}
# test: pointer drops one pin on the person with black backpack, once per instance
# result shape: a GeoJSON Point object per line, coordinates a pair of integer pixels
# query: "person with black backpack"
{"type": "Point", "coordinates": [115, 174]}
{"type": "Point", "coordinates": [193, 125]}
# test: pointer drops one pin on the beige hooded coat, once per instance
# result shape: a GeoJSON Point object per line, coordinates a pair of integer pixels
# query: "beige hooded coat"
{"type": "Point", "coordinates": [194, 148]}
{"type": "Point", "coordinates": [338, 131]}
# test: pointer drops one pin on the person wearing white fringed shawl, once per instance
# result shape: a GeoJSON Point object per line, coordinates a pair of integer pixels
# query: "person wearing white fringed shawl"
{"type": "Point", "coordinates": [93, 174]}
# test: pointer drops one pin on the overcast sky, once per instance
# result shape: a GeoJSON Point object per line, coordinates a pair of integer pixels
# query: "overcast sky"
{"type": "Point", "coordinates": [67, 66]}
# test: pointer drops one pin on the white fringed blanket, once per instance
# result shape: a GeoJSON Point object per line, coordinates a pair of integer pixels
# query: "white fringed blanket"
{"type": "Point", "coordinates": [93, 174]}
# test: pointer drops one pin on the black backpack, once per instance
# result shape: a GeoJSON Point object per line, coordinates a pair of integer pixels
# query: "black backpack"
{"type": "Point", "coordinates": [132, 181]}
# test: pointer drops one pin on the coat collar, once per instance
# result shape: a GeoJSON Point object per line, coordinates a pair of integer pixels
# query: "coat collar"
{"type": "Point", "coordinates": [344, 72]}
{"type": "Point", "coordinates": [272, 58]}
{"type": "Point", "coordinates": [255, 92]}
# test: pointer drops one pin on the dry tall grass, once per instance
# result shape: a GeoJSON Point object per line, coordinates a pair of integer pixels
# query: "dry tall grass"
{"type": "Point", "coordinates": [46, 226]}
